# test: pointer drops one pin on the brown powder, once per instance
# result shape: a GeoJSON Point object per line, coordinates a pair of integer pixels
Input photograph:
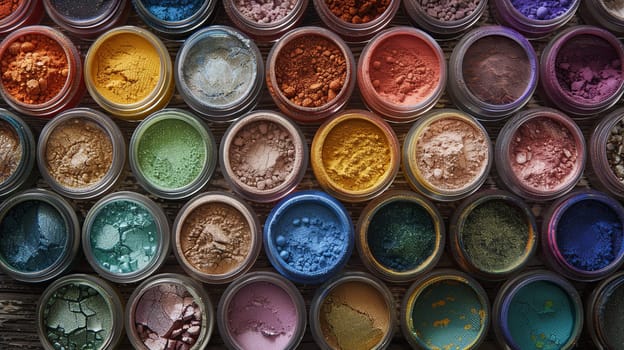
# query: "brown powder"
{"type": "Point", "coordinates": [7, 7]}
{"type": "Point", "coordinates": [10, 150]}
{"type": "Point", "coordinates": [357, 11]}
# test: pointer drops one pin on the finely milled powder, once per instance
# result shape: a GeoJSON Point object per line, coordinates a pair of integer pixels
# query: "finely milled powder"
{"type": "Point", "coordinates": [10, 151]}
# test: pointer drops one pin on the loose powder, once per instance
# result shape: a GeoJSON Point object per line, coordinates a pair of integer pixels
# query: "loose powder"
{"type": "Point", "coordinates": [357, 11]}
{"type": "Point", "coordinates": [354, 316]}
{"type": "Point", "coordinates": [261, 315]}
{"type": "Point", "coordinates": [167, 317]}
{"type": "Point", "coordinates": [543, 154]}
{"type": "Point", "coordinates": [542, 10]}
{"type": "Point", "coordinates": [78, 153]}
{"type": "Point", "coordinates": [615, 7]}
{"type": "Point", "coordinates": [10, 150]}
{"type": "Point", "coordinates": [310, 70]}
{"type": "Point", "coordinates": [265, 11]}
{"type": "Point", "coordinates": [78, 10]}
{"type": "Point", "coordinates": [611, 315]}
{"type": "Point", "coordinates": [7, 7]}
{"type": "Point", "coordinates": [34, 69]}
{"type": "Point", "coordinates": [33, 236]}
{"type": "Point", "coordinates": [404, 69]}
{"type": "Point", "coordinates": [172, 10]}
{"type": "Point", "coordinates": [496, 70]}
{"type": "Point", "coordinates": [448, 10]}
{"type": "Point", "coordinates": [215, 238]}
{"type": "Point", "coordinates": [401, 235]}
{"type": "Point", "coordinates": [615, 150]}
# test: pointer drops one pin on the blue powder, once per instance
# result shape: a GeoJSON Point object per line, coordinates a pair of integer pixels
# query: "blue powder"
{"type": "Point", "coordinates": [542, 10]}
{"type": "Point", "coordinates": [589, 235]}
{"type": "Point", "coordinates": [172, 10]}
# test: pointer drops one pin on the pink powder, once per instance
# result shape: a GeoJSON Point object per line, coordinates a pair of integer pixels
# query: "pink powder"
{"type": "Point", "coordinates": [265, 11]}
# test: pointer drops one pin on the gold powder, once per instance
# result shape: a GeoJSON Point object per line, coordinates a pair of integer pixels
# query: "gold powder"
{"type": "Point", "coordinates": [10, 150]}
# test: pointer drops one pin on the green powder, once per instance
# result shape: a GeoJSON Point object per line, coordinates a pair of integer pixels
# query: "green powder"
{"type": "Point", "coordinates": [171, 153]}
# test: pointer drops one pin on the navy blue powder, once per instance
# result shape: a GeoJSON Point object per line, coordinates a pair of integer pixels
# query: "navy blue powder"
{"type": "Point", "coordinates": [542, 10]}
{"type": "Point", "coordinates": [173, 10]}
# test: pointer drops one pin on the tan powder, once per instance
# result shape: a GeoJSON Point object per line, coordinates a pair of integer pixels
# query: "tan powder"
{"type": "Point", "coordinates": [10, 150]}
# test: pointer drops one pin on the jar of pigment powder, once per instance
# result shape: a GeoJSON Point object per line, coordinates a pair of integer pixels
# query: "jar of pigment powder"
{"type": "Point", "coordinates": [169, 311]}
{"type": "Point", "coordinates": [401, 73]}
{"type": "Point", "coordinates": [445, 19]}
{"type": "Point", "coordinates": [261, 311]}
{"type": "Point", "coordinates": [400, 235]}
{"type": "Point", "coordinates": [174, 19]}
{"type": "Point", "coordinates": [534, 19]}
{"type": "Point", "coordinates": [581, 70]}
{"type": "Point", "coordinates": [39, 236]}
{"type": "Point", "coordinates": [81, 153]}
{"type": "Point", "coordinates": [263, 156]}
{"type": "Point", "coordinates": [356, 21]}
{"type": "Point", "coordinates": [87, 19]}
{"type": "Point", "coordinates": [134, 52]}
{"type": "Point", "coordinates": [537, 310]}
{"type": "Point", "coordinates": [55, 83]}
{"type": "Point", "coordinates": [583, 235]}
{"type": "Point", "coordinates": [608, 14]}
{"type": "Point", "coordinates": [446, 309]}
{"type": "Point", "coordinates": [355, 156]}
{"type": "Point", "coordinates": [17, 154]}
{"type": "Point", "coordinates": [353, 311]}
{"type": "Point", "coordinates": [20, 13]}
{"type": "Point", "coordinates": [80, 312]}
{"type": "Point", "coordinates": [172, 154]}
{"type": "Point", "coordinates": [216, 237]}
{"type": "Point", "coordinates": [492, 72]}
{"type": "Point", "coordinates": [540, 154]}
{"type": "Point", "coordinates": [605, 166]}
{"type": "Point", "coordinates": [219, 73]}
{"type": "Point", "coordinates": [292, 74]}
{"type": "Point", "coordinates": [604, 311]}
{"type": "Point", "coordinates": [492, 234]}
{"type": "Point", "coordinates": [265, 21]}
{"type": "Point", "coordinates": [447, 155]}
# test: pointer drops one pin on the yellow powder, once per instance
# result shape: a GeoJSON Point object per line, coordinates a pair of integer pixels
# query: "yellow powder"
{"type": "Point", "coordinates": [126, 68]}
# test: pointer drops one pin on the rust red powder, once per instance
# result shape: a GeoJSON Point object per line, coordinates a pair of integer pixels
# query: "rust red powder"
{"type": "Point", "coordinates": [7, 7]}
{"type": "Point", "coordinates": [357, 11]}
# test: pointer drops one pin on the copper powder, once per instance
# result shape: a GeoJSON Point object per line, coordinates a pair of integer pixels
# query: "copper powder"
{"type": "Point", "coordinates": [10, 150]}
{"type": "Point", "coordinates": [7, 7]}
{"type": "Point", "coordinates": [357, 11]}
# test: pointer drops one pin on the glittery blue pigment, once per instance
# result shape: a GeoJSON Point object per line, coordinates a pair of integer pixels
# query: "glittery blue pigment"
{"type": "Point", "coordinates": [542, 10]}
{"type": "Point", "coordinates": [172, 10]}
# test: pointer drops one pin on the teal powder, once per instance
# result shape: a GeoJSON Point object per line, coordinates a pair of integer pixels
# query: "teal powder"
{"type": "Point", "coordinates": [612, 317]}
{"type": "Point", "coordinates": [171, 153]}
{"type": "Point", "coordinates": [541, 316]}
{"type": "Point", "coordinates": [447, 315]}
{"type": "Point", "coordinates": [401, 235]}
{"type": "Point", "coordinates": [124, 237]}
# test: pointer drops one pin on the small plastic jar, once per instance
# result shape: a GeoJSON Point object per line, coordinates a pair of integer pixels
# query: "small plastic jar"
{"type": "Point", "coordinates": [605, 166]}
{"type": "Point", "coordinates": [446, 20]}
{"type": "Point", "coordinates": [81, 153]}
{"type": "Point", "coordinates": [441, 298]}
{"type": "Point", "coordinates": [86, 19]}
{"type": "Point", "coordinates": [277, 141]}
{"type": "Point", "coordinates": [39, 236]}
{"type": "Point", "coordinates": [581, 70]}
{"type": "Point", "coordinates": [169, 301]}
{"type": "Point", "coordinates": [401, 73]}
{"type": "Point", "coordinates": [18, 154]}
{"type": "Point", "coordinates": [174, 19]}
{"type": "Point", "coordinates": [604, 13]}
{"type": "Point", "coordinates": [603, 313]}
{"type": "Point", "coordinates": [78, 312]}
{"type": "Point", "coordinates": [447, 155]}
{"type": "Point", "coordinates": [493, 72]}
{"type": "Point", "coordinates": [540, 154]}
{"type": "Point", "coordinates": [219, 73]}
{"type": "Point", "coordinates": [492, 234]}
{"type": "Point", "coordinates": [355, 156]}
{"type": "Point", "coordinates": [358, 21]}
{"type": "Point", "coordinates": [57, 82]}
{"type": "Point", "coordinates": [172, 154]}
{"type": "Point", "coordinates": [308, 237]}
{"type": "Point", "coordinates": [216, 237]}
{"type": "Point", "coordinates": [293, 80]}
{"type": "Point", "coordinates": [261, 311]}
{"type": "Point", "coordinates": [532, 25]}
{"type": "Point", "coordinates": [353, 310]}
{"type": "Point", "coordinates": [583, 235]}
{"type": "Point", "coordinates": [24, 13]}
{"type": "Point", "coordinates": [265, 22]}
{"type": "Point", "coordinates": [125, 237]}
{"type": "Point", "coordinates": [137, 53]}
{"type": "Point", "coordinates": [537, 310]}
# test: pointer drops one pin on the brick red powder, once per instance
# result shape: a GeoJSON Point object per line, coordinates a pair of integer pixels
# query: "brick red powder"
{"type": "Point", "coordinates": [7, 7]}
{"type": "Point", "coordinates": [357, 11]}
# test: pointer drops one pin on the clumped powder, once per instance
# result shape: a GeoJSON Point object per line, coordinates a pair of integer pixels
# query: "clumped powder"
{"type": "Point", "coordinates": [357, 11]}
{"type": "Point", "coordinates": [544, 9]}
{"type": "Point", "coordinates": [615, 150]}
{"type": "Point", "coordinates": [10, 151]}
{"type": "Point", "coordinates": [449, 10]}
{"type": "Point", "coordinates": [265, 11]}
{"type": "Point", "coordinates": [7, 7]}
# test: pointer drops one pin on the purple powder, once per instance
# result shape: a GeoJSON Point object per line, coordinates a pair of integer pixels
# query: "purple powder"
{"type": "Point", "coordinates": [449, 10]}
{"type": "Point", "coordinates": [542, 10]}
{"type": "Point", "coordinates": [265, 11]}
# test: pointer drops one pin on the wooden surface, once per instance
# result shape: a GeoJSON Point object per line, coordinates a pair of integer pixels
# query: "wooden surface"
{"type": "Point", "coordinates": [18, 300]}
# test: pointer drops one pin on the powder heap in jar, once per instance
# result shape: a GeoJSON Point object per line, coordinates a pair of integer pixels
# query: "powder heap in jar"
{"type": "Point", "coordinates": [357, 11]}
{"type": "Point", "coordinates": [615, 150]}
{"type": "Point", "coordinates": [10, 151]}
{"type": "Point", "coordinates": [265, 11]}
{"type": "Point", "coordinates": [449, 10]}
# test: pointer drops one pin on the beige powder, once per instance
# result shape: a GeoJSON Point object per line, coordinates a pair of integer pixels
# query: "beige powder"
{"type": "Point", "coordinates": [10, 150]}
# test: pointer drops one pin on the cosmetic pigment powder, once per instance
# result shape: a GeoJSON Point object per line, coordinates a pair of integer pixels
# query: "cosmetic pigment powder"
{"type": "Point", "coordinates": [615, 7]}
{"type": "Point", "coordinates": [172, 10]}
{"type": "Point", "coordinates": [354, 316]}
{"type": "Point", "coordinates": [33, 236]}
{"type": "Point", "coordinates": [261, 315]}
{"type": "Point", "coordinates": [78, 153]}
{"type": "Point", "coordinates": [10, 150]}
{"type": "Point", "coordinates": [543, 154]}
{"type": "Point", "coordinates": [448, 10]}
{"type": "Point", "coordinates": [7, 7]}
{"type": "Point", "coordinates": [447, 315]}
{"type": "Point", "coordinates": [265, 11]}
{"type": "Point", "coordinates": [78, 10]}
{"type": "Point", "coordinates": [611, 315]}
{"type": "Point", "coordinates": [496, 70]}
{"type": "Point", "coordinates": [404, 69]}
{"type": "Point", "coordinates": [77, 317]}
{"type": "Point", "coordinates": [215, 238]}
{"type": "Point", "coordinates": [615, 150]}
{"type": "Point", "coordinates": [167, 317]}
{"type": "Point", "coordinates": [171, 153]}
{"type": "Point", "coordinates": [589, 235]}
{"type": "Point", "coordinates": [357, 11]}
{"type": "Point", "coordinates": [541, 316]}
{"type": "Point", "coordinates": [310, 70]}
{"type": "Point", "coordinates": [124, 237]}
{"type": "Point", "coordinates": [542, 10]}
{"type": "Point", "coordinates": [401, 235]}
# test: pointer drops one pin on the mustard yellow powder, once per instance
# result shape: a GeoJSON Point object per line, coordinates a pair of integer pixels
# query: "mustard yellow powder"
{"type": "Point", "coordinates": [126, 68]}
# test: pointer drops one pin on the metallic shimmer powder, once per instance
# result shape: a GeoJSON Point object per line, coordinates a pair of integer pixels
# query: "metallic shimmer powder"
{"type": "Point", "coordinates": [81, 10]}
{"type": "Point", "coordinates": [10, 150]}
